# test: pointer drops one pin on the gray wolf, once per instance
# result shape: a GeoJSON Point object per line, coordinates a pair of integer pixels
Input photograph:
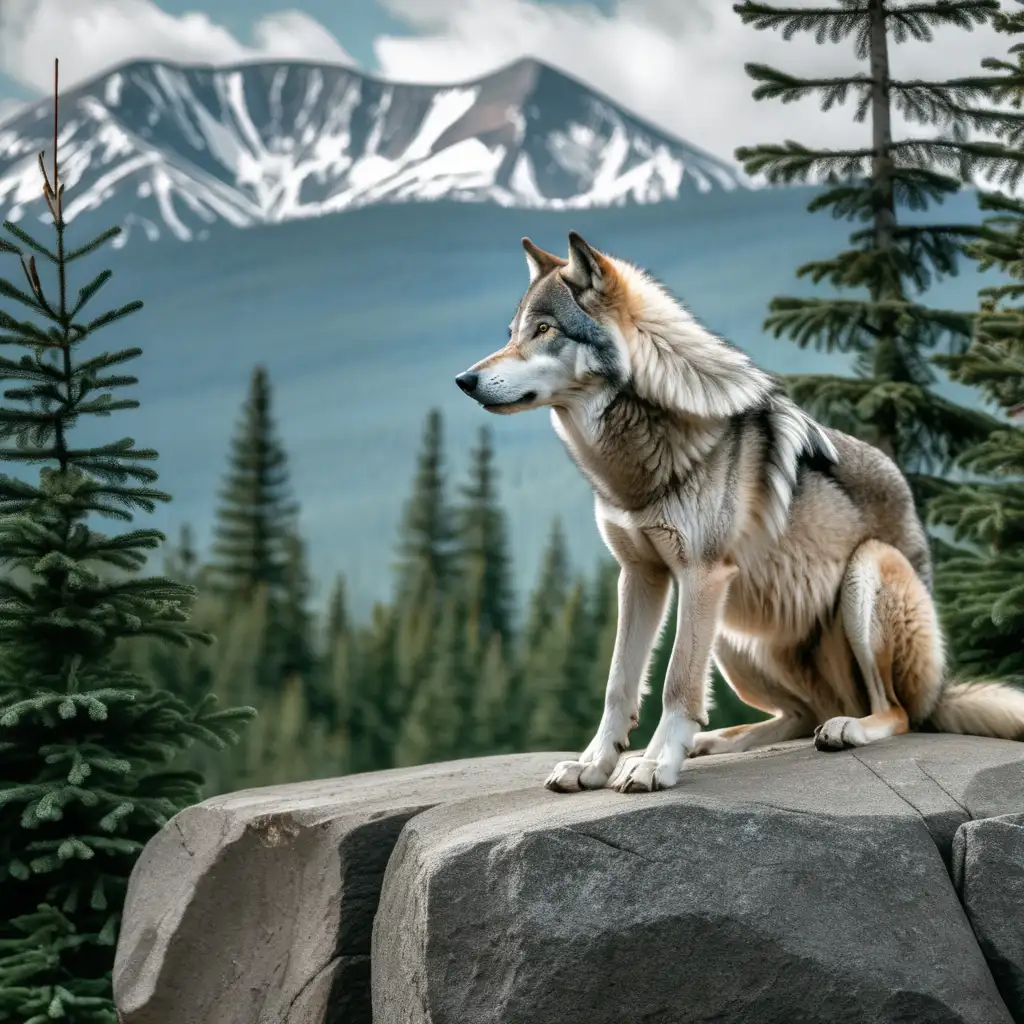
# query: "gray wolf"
{"type": "Point", "coordinates": [800, 564]}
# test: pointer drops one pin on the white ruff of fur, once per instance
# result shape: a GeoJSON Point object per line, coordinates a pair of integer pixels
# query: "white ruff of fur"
{"type": "Point", "coordinates": [677, 364]}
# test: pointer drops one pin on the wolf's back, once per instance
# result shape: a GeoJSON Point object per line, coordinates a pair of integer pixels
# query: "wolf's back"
{"type": "Point", "coordinates": [980, 709]}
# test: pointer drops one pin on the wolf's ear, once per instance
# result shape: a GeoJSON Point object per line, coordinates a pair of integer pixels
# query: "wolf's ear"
{"type": "Point", "coordinates": [539, 261]}
{"type": "Point", "coordinates": [586, 268]}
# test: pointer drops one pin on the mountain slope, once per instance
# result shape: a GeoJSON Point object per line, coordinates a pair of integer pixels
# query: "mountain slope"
{"type": "Point", "coordinates": [175, 149]}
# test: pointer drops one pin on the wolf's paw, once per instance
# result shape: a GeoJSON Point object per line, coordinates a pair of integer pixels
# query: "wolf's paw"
{"type": "Point", "coordinates": [643, 775]}
{"type": "Point", "coordinates": [840, 734]}
{"type": "Point", "coordinates": [572, 776]}
{"type": "Point", "coordinates": [706, 743]}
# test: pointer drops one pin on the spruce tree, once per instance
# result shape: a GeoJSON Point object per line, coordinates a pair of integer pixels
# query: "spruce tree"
{"type": "Point", "coordinates": [564, 707]}
{"type": "Point", "coordinates": [336, 664]}
{"type": "Point", "coordinates": [424, 572]}
{"type": "Point", "coordinates": [182, 561]}
{"type": "Point", "coordinates": [376, 714]}
{"type": "Point", "coordinates": [492, 715]}
{"type": "Point", "coordinates": [531, 680]}
{"type": "Point", "coordinates": [427, 534]}
{"type": "Point", "coordinates": [295, 620]}
{"type": "Point", "coordinates": [337, 621]}
{"type": "Point", "coordinates": [433, 727]}
{"type": "Point", "coordinates": [882, 323]}
{"type": "Point", "coordinates": [256, 515]}
{"type": "Point", "coordinates": [84, 744]}
{"type": "Point", "coordinates": [551, 591]}
{"type": "Point", "coordinates": [982, 588]}
{"type": "Point", "coordinates": [484, 560]}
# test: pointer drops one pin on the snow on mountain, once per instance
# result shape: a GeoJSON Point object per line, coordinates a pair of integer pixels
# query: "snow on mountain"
{"type": "Point", "coordinates": [174, 149]}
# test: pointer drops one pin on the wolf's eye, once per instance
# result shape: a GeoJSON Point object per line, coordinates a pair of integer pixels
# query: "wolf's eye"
{"type": "Point", "coordinates": [543, 328]}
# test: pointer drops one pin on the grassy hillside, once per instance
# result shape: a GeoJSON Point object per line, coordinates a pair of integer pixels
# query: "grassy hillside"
{"type": "Point", "coordinates": [364, 319]}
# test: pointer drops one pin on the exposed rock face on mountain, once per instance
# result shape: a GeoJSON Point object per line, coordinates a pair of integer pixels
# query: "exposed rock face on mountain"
{"type": "Point", "coordinates": [173, 149]}
{"type": "Point", "coordinates": [780, 886]}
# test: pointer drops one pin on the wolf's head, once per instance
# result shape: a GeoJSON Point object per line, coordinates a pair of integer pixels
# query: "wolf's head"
{"type": "Point", "coordinates": [566, 340]}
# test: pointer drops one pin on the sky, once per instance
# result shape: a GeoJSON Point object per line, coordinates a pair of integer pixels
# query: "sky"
{"type": "Point", "coordinates": [678, 63]}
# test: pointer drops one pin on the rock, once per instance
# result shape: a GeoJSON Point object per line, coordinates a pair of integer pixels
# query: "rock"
{"type": "Point", "coordinates": [785, 886]}
{"type": "Point", "coordinates": [257, 907]}
{"type": "Point", "coordinates": [988, 870]}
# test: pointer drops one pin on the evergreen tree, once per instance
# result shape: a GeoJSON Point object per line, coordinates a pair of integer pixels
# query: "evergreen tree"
{"type": "Point", "coordinates": [338, 626]}
{"type": "Point", "coordinates": [564, 704]}
{"type": "Point", "coordinates": [883, 325]}
{"type": "Point", "coordinates": [84, 745]}
{"type": "Point", "coordinates": [182, 561]}
{"type": "Point", "coordinates": [427, 534]}
{"type": "Point", "coordinates": [337, 666]}
{"type": "Point", "coordinates": [982, 589]}
{"type": "Point", "coordinates": [256, 515]}
{"type": "Point", "coordinates": [294, 620]}
{"type": "Point", "coordinates": [483, 554]}
{"type": "Point", "coordinates": [531, 681]}
{"type": "Point", "coordinates": [375, 717]}
{"type": "Point", "coordinates": [552, 589]}
{"type": "Point", "coordinates": [424, 573]}
{"type": "Point", "coordinates": [492, 717]}
{"type": "Point", "coordinates": [432, 729]}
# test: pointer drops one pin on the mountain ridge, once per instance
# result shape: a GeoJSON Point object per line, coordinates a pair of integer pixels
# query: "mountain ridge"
{"type": "Point", "coordinates": [174, 148]}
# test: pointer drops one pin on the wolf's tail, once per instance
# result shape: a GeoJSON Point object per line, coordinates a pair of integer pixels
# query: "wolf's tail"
{"type": "Point", "coordinates": [980, 709]}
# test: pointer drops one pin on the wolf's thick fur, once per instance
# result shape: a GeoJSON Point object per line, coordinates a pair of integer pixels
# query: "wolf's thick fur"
{"type": "Point", "coordinates": [800, 563]}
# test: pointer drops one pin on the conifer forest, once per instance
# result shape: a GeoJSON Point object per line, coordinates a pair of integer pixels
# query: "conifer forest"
{"type": "Point", "coordinates": [139, 675]}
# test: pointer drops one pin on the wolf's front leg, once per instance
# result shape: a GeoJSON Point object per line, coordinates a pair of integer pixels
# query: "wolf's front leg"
{"type": "Point", "coordinates": [643, 595]}
{"type": "Point", "coordinates": [702, 591]}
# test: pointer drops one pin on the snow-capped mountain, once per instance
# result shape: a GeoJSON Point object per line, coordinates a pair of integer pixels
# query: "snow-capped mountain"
{"type": "Point", "coordinates": [173, 149]}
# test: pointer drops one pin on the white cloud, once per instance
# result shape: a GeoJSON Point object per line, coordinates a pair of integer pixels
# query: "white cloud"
{"type": "Point", "coordinates": [90, 36]}
{"type": "Point", "coordinates": [8, 108]}
{"type": "Point", "coordinates": [678, 63]}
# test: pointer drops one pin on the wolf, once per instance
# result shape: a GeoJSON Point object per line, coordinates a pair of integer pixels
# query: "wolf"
{"type": "Point", "coordinates": [799, 562]}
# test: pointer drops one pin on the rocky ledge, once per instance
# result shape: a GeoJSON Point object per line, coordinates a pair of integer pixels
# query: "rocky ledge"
{"type": "Point", "coordinates": [877, 885]}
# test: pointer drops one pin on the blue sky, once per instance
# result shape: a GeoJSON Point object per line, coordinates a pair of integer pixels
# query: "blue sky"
{"type": "Point", "coordinates": [678, 63]}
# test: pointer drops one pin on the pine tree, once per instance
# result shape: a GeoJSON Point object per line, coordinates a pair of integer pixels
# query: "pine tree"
{"type": "Point", "coordinates": [337, 622]}
{"type": "Point", "coordinates": [257, 512]}
{"type": "Point", "coordinates": [982, 590]}
{"type": "Point", "coordinates": [484, 561]}
{"type": "Point", "coordinates": [427, 532]}
{"type": "Point", "coordinates": [883, 325]}
{"type": "Point", "coordinates": [432, 729]}
{"type": "Point", "coordinates": [84, 745]}
{"type": "Point", "coordinates": [424, 572]}
{"type": "Point", "coordinates": [336, 665]}
{"type": "Point", "coordinates": [375, 717]}
{"type": "Point", "coordinates": [294, 623]}
{"type": "Point", "coordinates": [492, 715]}
{"type": "Point", "coordinates": [564, 707]}
{"type": "Point", "coordinates": [182, 561]}
{"type": "Point", "coordinates": [552, 588]}
{"type": "Point", "coordinates": [531, 680]}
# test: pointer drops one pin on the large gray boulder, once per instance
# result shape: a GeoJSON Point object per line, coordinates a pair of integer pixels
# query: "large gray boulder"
{"type": "Point", "coordinates": [257, 907]}
{"type": "Point", "coordinates": [773, 888]}
{"type": "Point", "coordinates": [988, 869]}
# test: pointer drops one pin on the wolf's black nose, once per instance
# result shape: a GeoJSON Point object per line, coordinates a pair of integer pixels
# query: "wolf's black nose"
{"type": "Point", "coordinates": [467, 381]}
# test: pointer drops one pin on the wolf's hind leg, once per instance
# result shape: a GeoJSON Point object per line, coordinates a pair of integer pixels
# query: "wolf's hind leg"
{"type": "Point", "coordinates": [643, 596]}
{"type": "Point", "coordinates": [890, 624]}
{"type": "Point", "coordinates": [753, 686]}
